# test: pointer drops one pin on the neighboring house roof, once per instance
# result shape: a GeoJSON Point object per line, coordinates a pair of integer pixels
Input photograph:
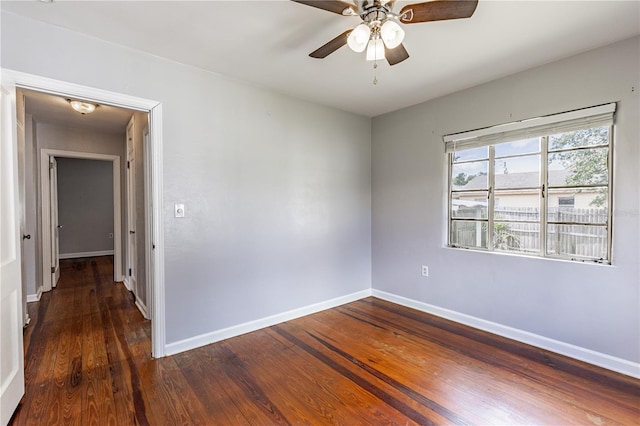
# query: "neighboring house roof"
{"type": "Point", "coordinates": [517, 180]}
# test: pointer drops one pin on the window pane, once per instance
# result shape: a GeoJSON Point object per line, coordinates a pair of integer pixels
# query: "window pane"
{"type": "Point", "coordinates": [585, 205]}
{"type": "Point", "coordinates": [469, 205]}
{"type": "Point", "coordinates": [468, 234]}
{"type": "Point", "coordinates": [579, 138]}
{"type": "Point", "coordinates": [577, 240]}
{"type": "Point", "coordinates": [516, 237]}
{"type": "Point", "coordinates": [525, 146]}
{"type": "Point", "coordinates": [578, 168]}
{"type": "Point", "coordinates": [481, 153]}
{"type": "Point", "coordinates": [518, 172]}
{"type": "Point", "coordinates": [517, 206]}
{"type": "Point", "coordinates": [471, 175]}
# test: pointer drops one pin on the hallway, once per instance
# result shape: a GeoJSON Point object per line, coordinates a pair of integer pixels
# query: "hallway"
{"type": "Point", "coordinates": [81, 346]}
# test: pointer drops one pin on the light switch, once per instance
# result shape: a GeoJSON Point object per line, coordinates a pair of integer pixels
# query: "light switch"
{"type": "Point", "coordinates": [179, 210]}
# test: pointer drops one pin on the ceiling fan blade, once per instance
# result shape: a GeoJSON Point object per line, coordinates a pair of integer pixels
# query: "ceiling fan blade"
{"type": "Point", "coordinates": [335, 6]}
{"type": "Point", "coordinates": [437, 10]}
{"type": "Point", "coordinates": [396, 55]}
{"type": "Point", "coordinates": [330, 47]}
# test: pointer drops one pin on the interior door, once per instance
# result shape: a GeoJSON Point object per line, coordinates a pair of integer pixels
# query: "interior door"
{"type": "Point", "coordinates": [55, 226]}
{"type": "Point", "coordinates": [22, 161]}
{"type": "Point", "coordinates": [11, 350]}
{"type": "Point", "coordinates": [132, 253]}
{"type": "Point", "coordinates": [149, 221]}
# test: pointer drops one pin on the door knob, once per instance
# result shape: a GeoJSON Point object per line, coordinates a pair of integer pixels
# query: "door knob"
{"type": "Point", "coordinates": [59, 226]}
{"type": "Point", "coordinates": [132, 232]}
{"type": "Point", "coordinates": [26, 237]}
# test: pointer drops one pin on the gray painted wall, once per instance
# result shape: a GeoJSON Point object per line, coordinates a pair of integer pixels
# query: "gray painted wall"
{"type": "Point", "coordinates": [592, 306]}
{"type": "Point", "coordinates": [85, 205]}
{"type": "Point", "coordinates": [277, 190]}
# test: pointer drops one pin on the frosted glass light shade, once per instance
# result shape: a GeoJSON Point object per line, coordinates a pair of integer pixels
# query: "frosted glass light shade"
{"type": "Point", "coordinates": [375, 50]}
{"type": "Point", "coordinates": [83, 107]}
{"type": "Point", "coordinates": [392, 34]}
{"type": "Point", "coordinates": [358, 38]}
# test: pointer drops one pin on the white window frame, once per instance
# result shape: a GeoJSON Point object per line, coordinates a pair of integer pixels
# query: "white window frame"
{"type": "Point", "coordinates": [540, 127]}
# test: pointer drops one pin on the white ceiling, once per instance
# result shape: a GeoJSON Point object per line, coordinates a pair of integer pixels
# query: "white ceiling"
{"type": "Point", "coordinates": [55, 109]}
{"type": "Point", "coordinates": [267, 43]}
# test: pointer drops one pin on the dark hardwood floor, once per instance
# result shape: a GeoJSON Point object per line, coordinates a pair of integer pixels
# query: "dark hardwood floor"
{"type": "Point", "coordinates": [368, 362]}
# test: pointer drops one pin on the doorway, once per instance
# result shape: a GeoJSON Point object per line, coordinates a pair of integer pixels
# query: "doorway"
{"type": "Point", "coordinates": [49, 212]}
{"type": "Point", "coordinates": [153, 192]}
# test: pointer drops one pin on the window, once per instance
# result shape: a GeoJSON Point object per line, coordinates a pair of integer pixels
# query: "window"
{"type": "Point", "coordinates": [566, 201]}
{"type": "Point", "coordinates": [539, 187]}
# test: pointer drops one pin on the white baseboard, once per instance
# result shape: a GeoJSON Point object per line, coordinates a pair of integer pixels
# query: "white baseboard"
{"type": "Point", "coordinates": [236, 330]}
{"type": "Point", "coordinates": [34, 297]}
{"type": "Point", "coordinates": [142, 308]}
{"type": "Point", "coordinates": [85, 254]}
{"type": "Point", "coordinates": [125, 281]}
{"type": "Point", "coordinates": [609, 362]}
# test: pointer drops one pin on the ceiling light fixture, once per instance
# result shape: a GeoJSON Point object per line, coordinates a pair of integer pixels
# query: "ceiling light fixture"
{"type": "Point", "coordinates": [82, 107]}
{"type": "Point", "coordinates": [380, 32]}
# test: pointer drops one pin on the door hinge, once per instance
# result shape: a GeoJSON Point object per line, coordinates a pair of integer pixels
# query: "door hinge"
{"type": "Point", "coordinates": [50, 166]}
{"type": "Point", "coordinates": [128, 164]}
{"type": "Point", "coordinates": [53, 269]}
{"type": "Point", "coordinates": [129, 271]}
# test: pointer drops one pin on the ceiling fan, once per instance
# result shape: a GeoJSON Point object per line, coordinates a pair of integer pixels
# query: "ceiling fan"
{"type": "Point", "coordinates": [380, 33]}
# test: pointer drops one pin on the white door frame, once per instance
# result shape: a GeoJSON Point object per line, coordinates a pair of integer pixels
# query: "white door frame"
{"type": "Point", "coordinates": [131, 264]}
{"type": "Point", "coordinates": [148, 207]}
{"type": "Point", "coordinates": [45, 155]}
{"type": "Point", "coordinates": [54, 224]}
{"type": "Point", "coordinates": [154, 216]}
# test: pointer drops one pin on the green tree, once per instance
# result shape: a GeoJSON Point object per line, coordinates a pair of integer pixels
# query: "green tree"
{"type": "Point", "coordinates": [587, 166]}
{"type": "Point", "coordinates": [462, 179]}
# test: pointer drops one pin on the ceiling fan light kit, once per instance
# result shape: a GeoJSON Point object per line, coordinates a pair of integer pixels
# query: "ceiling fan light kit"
{"type": "Point", "coordinates": [375, 50]}
{"type": "Point", "coordinates": [392, 34]}
{"type": "Point", "coordinates": [380, 32]}
{"type": "Point", "coordinates": [359, 37]}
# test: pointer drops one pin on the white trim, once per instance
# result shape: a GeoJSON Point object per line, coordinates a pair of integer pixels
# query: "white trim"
{"type": "Point", "coordinates": [156, 295]}
{"type": "Point", "coordinates": [130, 264]}
{"type": "Point", "coordinates": [45, 222]}
{"type": "Point", "coordinates": [64, 88]}
{"type": "Point", "coordinates": [142, 308]}
{"type": "Point", "coordinates": [154, 108]}
{"type": "Point", "coordinates": [45, 154]}
{"type": "Point", "coordinates": [236, 330]}
{"type": "Point", "coordinates": [34, 297]}
{"type": "Point", "coordinates": [86, 254]}
{"type": "Point", "coordinates": [127, 284]}
{"type": "Point", "coordinates": [582, 354]}
{"type": "Point", "coordinates": [148, 218]}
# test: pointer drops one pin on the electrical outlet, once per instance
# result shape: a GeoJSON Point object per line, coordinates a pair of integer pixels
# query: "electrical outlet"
{"type": "Point", "coordinates": [425, 271]}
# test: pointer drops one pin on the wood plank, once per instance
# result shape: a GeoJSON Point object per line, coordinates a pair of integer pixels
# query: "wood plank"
{"type": "Point", "coordinates": [87, 362]}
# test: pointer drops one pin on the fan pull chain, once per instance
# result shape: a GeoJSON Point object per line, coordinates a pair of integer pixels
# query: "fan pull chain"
{"type": "Point", "coordinates": [375, 78]}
